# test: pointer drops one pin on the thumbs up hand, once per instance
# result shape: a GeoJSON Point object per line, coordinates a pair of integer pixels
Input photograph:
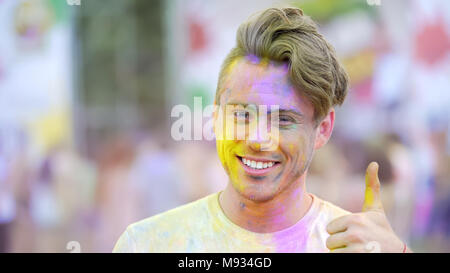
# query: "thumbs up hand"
{"type": "Point", "coordinates": [372, 197]}
{"type": "Point", "coordinates": [359, 232]}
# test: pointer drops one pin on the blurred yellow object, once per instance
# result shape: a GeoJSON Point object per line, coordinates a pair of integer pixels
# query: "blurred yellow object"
{"type": "Point", "coordinates": [360, 66]}
{"type": "Point", "coordinates": [33, 18]}
{"type": "Point", "coordinates": [51, 129]}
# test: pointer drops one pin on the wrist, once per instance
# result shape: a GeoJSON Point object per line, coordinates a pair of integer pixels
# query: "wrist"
{"type": "Point", "coordinates": [406, 249]}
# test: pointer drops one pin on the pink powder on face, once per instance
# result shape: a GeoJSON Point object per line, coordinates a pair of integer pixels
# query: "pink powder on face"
{"type": "Point", "coordinates": [253, 59]}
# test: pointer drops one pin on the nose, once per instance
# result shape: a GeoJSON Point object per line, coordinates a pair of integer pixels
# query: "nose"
{"type": "Point", "coordinates": [261, 137]}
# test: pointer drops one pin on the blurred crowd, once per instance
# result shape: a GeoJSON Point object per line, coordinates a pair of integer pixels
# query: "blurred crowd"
{"type": "Point", "coordinates": [65, 197]}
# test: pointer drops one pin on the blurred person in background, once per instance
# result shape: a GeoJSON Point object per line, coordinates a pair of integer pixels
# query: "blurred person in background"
{"type": "Point", "coordinates": [330, 175]}
{"type": "Point", "coordinates": [281, 59]}
{"type": "Point", "coordinates": [44, 208]}
{"type": "Point", "coordinates": [7, 204]}
{"type": "Point", "coordinates": [21, 173]}
{"type": "Point", "coordinates": [74, 188]}
{"type": "Point", "coordinates": [202, 174]}
{"type": "Point", "coordinates": [116, 202]}
{"type": "Point", "coordinates": [155, 162]}
{"type": "Point", "coordinates": [439, 225]}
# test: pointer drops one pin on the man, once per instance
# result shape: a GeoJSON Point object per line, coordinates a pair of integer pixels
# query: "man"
{"type": "Point", "coordinates": [280, 59]}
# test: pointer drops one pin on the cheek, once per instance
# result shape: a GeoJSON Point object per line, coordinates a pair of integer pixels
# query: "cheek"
{"type": "Point", "coordinates": [298, 147]}
{"type": "Point", "coordinates": [226, 155]}
{"type": "Point", "coordinates": [221, 147]}
{"type": "Point", "coordinates": [227, 150]}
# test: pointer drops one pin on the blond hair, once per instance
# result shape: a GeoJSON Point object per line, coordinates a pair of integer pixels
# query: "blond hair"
{"type": "Point", "coordinates": [287, 35]}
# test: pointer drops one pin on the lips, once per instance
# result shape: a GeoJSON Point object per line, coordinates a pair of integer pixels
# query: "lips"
{"type": "Point", "coordinates": [257, 167]}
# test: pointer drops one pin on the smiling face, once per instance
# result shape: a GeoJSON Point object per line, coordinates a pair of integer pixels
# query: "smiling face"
{"type": "Point", "coordinates": [257, 174]}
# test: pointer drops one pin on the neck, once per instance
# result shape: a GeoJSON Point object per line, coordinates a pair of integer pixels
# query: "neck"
{"type": "Point", "coordinates": [278, 213]}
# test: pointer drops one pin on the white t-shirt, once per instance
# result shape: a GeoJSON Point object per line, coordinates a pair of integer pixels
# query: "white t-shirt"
{"type": "Point", "coordinates": [201, 226]}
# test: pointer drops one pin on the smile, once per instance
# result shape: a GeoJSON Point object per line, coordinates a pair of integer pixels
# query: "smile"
{"type": "Point", "coordinates": [257, 167]}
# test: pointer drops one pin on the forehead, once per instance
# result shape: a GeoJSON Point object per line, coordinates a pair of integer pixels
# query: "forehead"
{"type": "Point", "coordinates": [259, 82]}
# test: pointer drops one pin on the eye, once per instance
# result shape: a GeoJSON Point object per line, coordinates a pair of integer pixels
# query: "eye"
{"type": "Point", "coordinates": [283, 119]}
{"type": "Point", "coordinates": [241, 115]}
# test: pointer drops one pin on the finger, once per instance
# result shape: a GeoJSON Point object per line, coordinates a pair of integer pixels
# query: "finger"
{"type": "Point", "coordinates": [337, 240]}
{"type": "Point", "coordinates": [372, 198]}
{"type": "Point", "coordinates": [354, 248]}
{"type": "Point", "coordinates": [338, 225]}
{"type": "Point", "coordinates": [340, 250]}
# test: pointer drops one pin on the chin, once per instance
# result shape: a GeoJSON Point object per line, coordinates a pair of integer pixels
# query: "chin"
{"type": "Point", "coordinates": [256, 193]}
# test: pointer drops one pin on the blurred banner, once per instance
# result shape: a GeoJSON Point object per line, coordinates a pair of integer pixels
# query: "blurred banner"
{"type": "Point", "coordinates": [35, 75]}
{"type": "Point", "coordinates": [201, 33]}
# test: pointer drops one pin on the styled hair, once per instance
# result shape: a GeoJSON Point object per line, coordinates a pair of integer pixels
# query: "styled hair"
{"type": "Point", "coordinates": [288, 36]}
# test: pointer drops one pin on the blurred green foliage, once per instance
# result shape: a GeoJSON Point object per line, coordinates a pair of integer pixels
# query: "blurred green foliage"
{"type": "Point", "coordinates": [326, 10]}
{"type": "Point", "coordinates": [119, 56]}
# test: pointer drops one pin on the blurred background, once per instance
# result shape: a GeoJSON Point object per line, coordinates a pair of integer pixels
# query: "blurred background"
{"type": "Point", "coordinates": [87, 88]}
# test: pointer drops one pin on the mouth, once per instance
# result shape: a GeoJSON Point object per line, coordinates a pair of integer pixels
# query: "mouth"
{"type": "Point", "coordinates": [257, 167]}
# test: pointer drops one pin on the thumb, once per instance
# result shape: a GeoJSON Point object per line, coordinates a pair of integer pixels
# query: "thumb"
{"type": "Point", "coordinates": [372, 198]}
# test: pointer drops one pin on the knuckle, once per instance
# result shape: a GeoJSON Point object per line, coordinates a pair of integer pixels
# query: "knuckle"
{"type": "Point", "coordinates": [329, 228]}
{"type": "Point", "coordinates": [358, 219]}
{"type": "Point", "coordinates": [376, 186]}
{"type": "Point", "coordinates": [355, 219]}
{"type": "Point", "coordinates": [355, 236]}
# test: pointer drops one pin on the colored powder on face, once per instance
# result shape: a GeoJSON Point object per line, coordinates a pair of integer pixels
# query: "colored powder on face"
{"type": "Point", "coordinates": [229, 161]}
{"type": "Point", "coordinates": [264, 62]}
{"type": "Point", "coordinates": [253, 59]}
{"type": "Point", "coordinates": [232, 66]}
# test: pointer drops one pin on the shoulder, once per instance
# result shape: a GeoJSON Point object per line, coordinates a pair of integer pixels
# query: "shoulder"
{"type": "Point", "coordinates": [173, 218]}
{"type": "Point", "coordinates": [328, 211]}
{"type": "Point", "coordinates": [324, 212]}
{"type": "Point", "coordinates": [165, 226]}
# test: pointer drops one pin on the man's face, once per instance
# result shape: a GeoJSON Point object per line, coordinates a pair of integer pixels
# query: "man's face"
{"type": "Point", "coordinates": [258, 83]}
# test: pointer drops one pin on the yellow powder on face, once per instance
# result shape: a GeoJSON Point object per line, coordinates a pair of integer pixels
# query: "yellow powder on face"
{"type": "Point", "coordinates": [264, 62]}
{"type": "Point", "coordinates": [291, 148]}
{"type": "Point", "coordinates": [232, 66]}
{"type": "Point", "coordinates": [230, 161]}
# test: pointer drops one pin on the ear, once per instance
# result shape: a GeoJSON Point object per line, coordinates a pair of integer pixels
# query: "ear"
{"type": "Point", "coordinates": [324, 130]}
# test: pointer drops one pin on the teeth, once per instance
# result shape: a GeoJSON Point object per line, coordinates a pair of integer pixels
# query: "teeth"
{"type": "Point", "coordinates": [257, 164]}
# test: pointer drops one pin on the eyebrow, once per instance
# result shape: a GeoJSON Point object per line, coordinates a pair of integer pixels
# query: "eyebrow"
{"type": "Point", "coordinates": [281, 110]}
{"type": "Point", "coordinates": [291, 111]}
